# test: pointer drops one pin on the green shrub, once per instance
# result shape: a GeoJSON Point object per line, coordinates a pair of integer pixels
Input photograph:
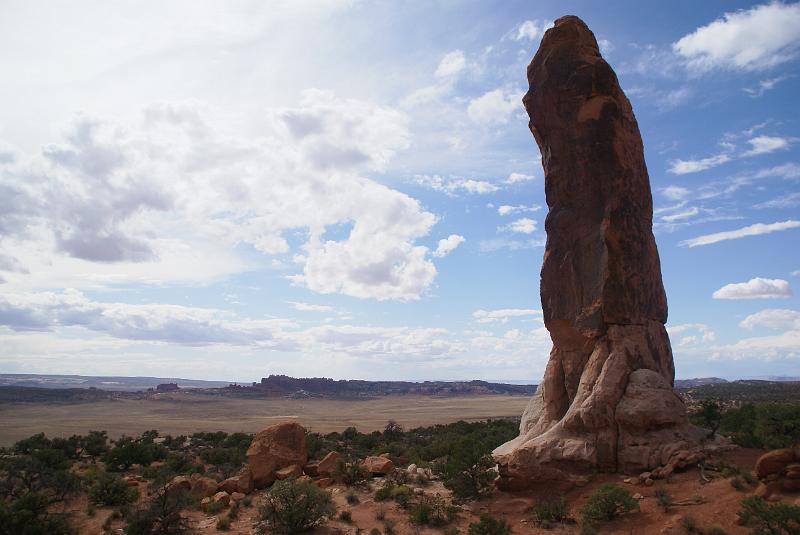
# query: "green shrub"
{"type": "Point", "coordinates": [489, 525]}
{"type": "Point", "coordinates": [467, 470]}
{"type": "Point", "coordinates": [223, 456]}
{"type": "Point", "coordinates": [663, 499]}
{"type": "Point", "coordinates": [223, 523]}
{"type": "Point", "coordinates": [351, 497]}
{"type": "Point", "coordinates": [346, 516]}
{"type": "Point", "coordinates": [383, 493]}
{"type": "Point", "coordinates": [35, 442]}
{"type": "Point", "coordinates": [129, 451]}
{"type": "Point", "coordinates": [161, 515]}
{"type": "Point", "coordinates": [766, 425]}
{"type": "Point", "coordinates": [293, 507]}
{"type": "Point", "coordinates": [402, 495]}
{"type": "Point", "coordinates": [352, 474]}
{"type": "Point", "coordinates": [109, 489]}
{"type": "Point", "coordinates": [214, 508]}
{"type": "Point", "coordinates": [95, 443]}
{"type": "Point", "coordinates": [688, 524]}
{"type": "Point", "coordinates": [709, 416]}
{"type": "Point", "coordinates": [549, 513]}
{"type": "Point", "coordinates": [606, 503]}
{"type": "Point", "coordinates": [770, 519]}
{"type": "Point", "coordinates": [374, 531]}
{"type": "Point", "coordinates": [432, 511]}
{"type": "Point", "coordinates": [715, 530]}
{"type": "Point", "coordinates": [29, 515]}
{"type": "Point", "coordinates": [393, 431]}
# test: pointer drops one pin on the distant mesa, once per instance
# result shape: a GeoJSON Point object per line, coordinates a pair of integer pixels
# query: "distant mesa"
{"type": "Point", "coordinates": [606, 402]}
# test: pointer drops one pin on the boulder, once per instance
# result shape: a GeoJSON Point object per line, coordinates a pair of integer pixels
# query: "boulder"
{"type": "Point", "coordinates": [378, 465]}
{"type": "Point", "coordinates": [238, 496]}
{"type": "Point", "coordinates": [311, 469]}
{"type": "Point", "coordinates": [774, 462]}
{"type": "Point", "coordinates": [606, 401]}
{"type": "Point", "coordinates": [218, 498]}
{"type": "Point", "coordinates": [230, 485]}
{"type": "Point", "coordinates": [242, 483]}
{"type": "Point", "coordinates": [221, 497]}
{"type": "Point", "coordinates": [292, 471]}
{"type": "Point", "coordinates": [276, 447]}
{"type": "Point", "coordinates": [203, 487]}
{"type": "Point", "coordinates": [179, 484]}
{"type": "Point", "coordinates": [412, 469]}
{"type": "Point", "coordinates": [329, 465]}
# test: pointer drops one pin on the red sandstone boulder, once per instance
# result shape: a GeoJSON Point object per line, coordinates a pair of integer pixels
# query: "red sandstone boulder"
{"type": "Point", "coordinates": [378, 465]}
{"type": "Point", "coordinates": [329, 464]}
{"type": "Point", "coordinates": [774, 462]}
{"type": "Point", "coordinates": [203, 487]}
{"type": "Point", "coordinates": [274, 448]}
{"type": "Point", "coordinates": [292, 471]}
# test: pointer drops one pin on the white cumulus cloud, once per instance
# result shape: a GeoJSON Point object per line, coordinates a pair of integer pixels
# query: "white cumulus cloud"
{"type": "Point", "coordinates": [756, 288]}
{"type": "Point", "coordinates": [515, 178]}
{"type": "Point", "coordinates": [451, 64]}
{"type": "Point", "coordinates": [749, 39]}
{"type": "Point", "coordinates": [523, 225]}
{"type": "Point", "coordinates": [448, 245]}
{"type": "Point", "coordinates": [530, 30]}
{"type": "Point", "coordinates": [172, 195]}
{"type": "Point", "coordinates": [508, 209]}
{"type": "Point", "coordinates": [765, 145]}
{"type": "Point", "coordinates": [494, 107]}
{"type": "Point", "coordinates": [777, 319]}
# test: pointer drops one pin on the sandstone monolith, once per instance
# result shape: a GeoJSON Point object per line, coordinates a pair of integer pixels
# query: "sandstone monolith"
{"type": "Point", "coordinates": [606, 402]}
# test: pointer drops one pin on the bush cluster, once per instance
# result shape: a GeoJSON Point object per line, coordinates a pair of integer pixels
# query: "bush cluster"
{"type": "Point", "coordinates": [110, 489]}
{"type": "Point", "coordinates": [547, 514]}
{"type": "Point", "coordinates": [764, 425]}
{"type": "Point", "coordinates": [606, 503]}
{"type": "Point", "coordinates": [128, 451]}
{"type": "Point", "coordinates": [769, 519]}
{"type": "Point", "coordinates": [293, 507]}
{"type": "Point", "coordinates": [489, 525]}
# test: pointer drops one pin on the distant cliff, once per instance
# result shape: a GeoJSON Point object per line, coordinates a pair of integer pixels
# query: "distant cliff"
{"type": "Point", "coordinates": [284, 386]}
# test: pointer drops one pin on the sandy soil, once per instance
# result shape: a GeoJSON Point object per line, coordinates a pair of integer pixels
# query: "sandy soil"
{"type": "Point", "coordinates": [187, 413]}
{"type": "Point", "coordinates": [719, 504]}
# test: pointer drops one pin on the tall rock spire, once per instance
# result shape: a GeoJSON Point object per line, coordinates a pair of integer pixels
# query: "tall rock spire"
{"type": "Point", "coordinates": [606, 402]}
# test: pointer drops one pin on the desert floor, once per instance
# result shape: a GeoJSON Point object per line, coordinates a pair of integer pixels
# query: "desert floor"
{"type": "Point", "coordinates": [186, 413]}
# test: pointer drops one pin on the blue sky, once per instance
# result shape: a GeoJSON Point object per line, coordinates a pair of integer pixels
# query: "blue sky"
{"type": "Point", "coordinates": [349, 189]}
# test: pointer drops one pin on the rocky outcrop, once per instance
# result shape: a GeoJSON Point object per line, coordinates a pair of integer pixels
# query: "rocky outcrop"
{"type": "Point", "coordinates": [606, 402]}
{"type": "Point", "coordinates": [276, 447]}
{"type": "Point", "coordinates": [778, 472]}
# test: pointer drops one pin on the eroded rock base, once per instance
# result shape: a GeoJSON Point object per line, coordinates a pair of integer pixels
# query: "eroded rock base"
{"type": "Point", "coordinates": [620, 415]}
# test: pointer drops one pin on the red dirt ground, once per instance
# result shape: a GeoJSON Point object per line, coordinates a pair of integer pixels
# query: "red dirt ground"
{"type": "Point", "coordinates": [719, 504]}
